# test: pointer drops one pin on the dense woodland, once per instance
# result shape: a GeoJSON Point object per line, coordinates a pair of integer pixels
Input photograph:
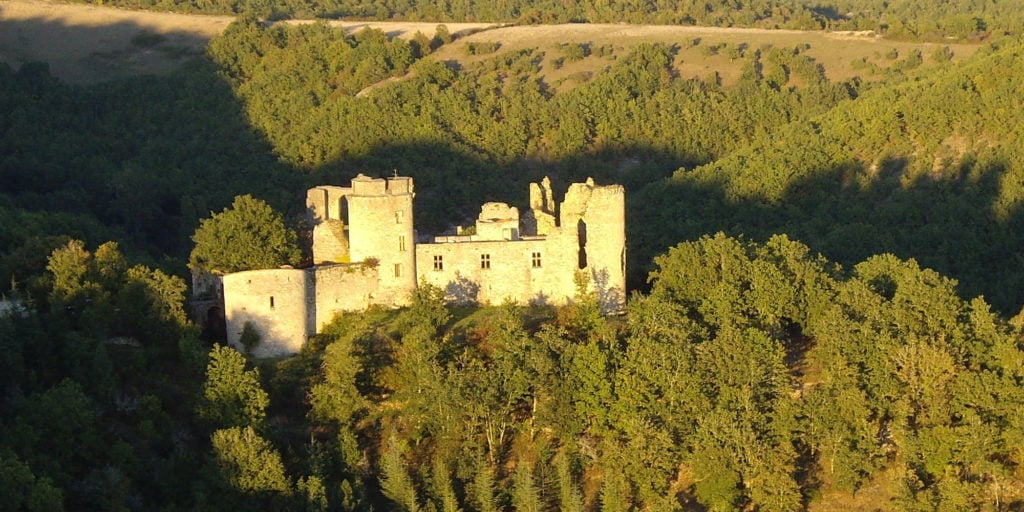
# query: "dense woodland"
{"type": "Point", "coordinates": [827, 281]}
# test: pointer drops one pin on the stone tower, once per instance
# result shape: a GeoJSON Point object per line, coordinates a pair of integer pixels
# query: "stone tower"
{"type": "Point", "coordinates": [328, 209]}
{"type": "Point", "coordinates": [598, 215]}
{"type": "Point", "coordinates": [380, 227]}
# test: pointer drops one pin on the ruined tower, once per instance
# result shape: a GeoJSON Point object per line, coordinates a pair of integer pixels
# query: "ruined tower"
{"type": "Point", "coordinates": [598, 216]}
{"type": "Point", "coordinates": [365, 253]}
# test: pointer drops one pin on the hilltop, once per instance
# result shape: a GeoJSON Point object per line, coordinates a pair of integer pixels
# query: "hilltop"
{"type": "Point", "coordinates": [87, 44]}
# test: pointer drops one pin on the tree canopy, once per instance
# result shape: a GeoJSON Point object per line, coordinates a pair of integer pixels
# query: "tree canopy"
{"type": "Point", "coordinates": [249, 235]}
{"type": "Point", "coordinates": [718, 388]}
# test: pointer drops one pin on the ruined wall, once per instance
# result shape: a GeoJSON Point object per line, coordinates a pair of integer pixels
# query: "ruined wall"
{"type": "Point", "coordinates": [599, 216]}
{"type": "Point", "coordinates": [328, 212]}
{"type": "Point", "coordinates": [330, 242]}
{"type": "Point", "coordinates": [206, 285]}
{"type": "Point", "coordinates": [341, 288]}
{"type": "Point", "coordinates": [277, 302]}
{"type": "Point", "coordinates": [497, 221]}
{"type": "Point", "coordinates": [526, 271]}
{"type": "Point", "coordinates": [373, 220]}
{"type": "Point", "coordinates": [327, 202]}
{"type": "Point", "coordinates": [540, 219]}
{"type": "Point", "coordinates": [380, 227]}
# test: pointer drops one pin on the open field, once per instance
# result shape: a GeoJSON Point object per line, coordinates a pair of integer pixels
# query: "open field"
{"type": "Point", "coordinates": [88, 44]}
{"type": "Point", "coordinates": [836, 51]}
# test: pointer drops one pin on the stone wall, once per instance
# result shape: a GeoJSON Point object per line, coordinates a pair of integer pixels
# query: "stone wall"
{"type": "Point", "coordinates": [276, 302]}
{"type": "Point", "coordinates": [534, 270]}
{"type": "Point", "coordinates": [330, 242]}
{"type": "Point", "coordinates": [497, 221]}
{"type": "Point", "coordinates": [342, 288]}
{"type": "Point", "coordinates": [506, 260]}
{"type": "Point", "coordinates": [287, 306]}
{"type": "Point", "coordinates": [599, 216]}
{"type": "Point", "coordinates": [327, 202]}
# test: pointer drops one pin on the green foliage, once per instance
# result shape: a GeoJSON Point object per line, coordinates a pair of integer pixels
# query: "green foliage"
{"type": "Point", "coordinates": [569, 497]}
{"type": "Point", "coordinates": [248, 236]}
{"type": "Point", "coordinates": [335, 397]}
{"type": "Point", "coordinates": [720, 386]}
{"type": "Point", "coordinates": [24, 491]}
{"type": "Point", "coordinates": [443, 492]}
{"type": "Point", "coordinates": [525, 497]}
{"type": "Point", "coordinates": [857, 182]}
{"type": "Point", "coordinates": [396, 484]}
{"type": "Point", "coordinates": [483, 48]}
{"type": "Point", "coordinates": [248, 463]}
{"type": "Point", "coordinates": [312, 488]}
{"type": "Point", "coordinates": [614, 493]}
{"type": "Point", "coordinates": [482, 488]}
{"type": "Point", "coordinates": [56, 431]}
{"type": "Point", "coordinates": [575, 52]}
{"type": "Point", "coordinates": [232, 395]}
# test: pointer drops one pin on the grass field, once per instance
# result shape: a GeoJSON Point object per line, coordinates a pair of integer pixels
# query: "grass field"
{"type": "Point", "coordinates": [702, 50]}
{"type": "Point", "coordinates": [88, 44]}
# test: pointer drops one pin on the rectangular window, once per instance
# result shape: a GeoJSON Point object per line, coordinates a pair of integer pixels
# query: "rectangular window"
{"type": "Point", "coordinates": [398, 270]}
{"type": "Point", "coordinates": [438, 262]}
{"type": "Point", "coordinates": [485, 261]}
{"type": "Point", "coordinates": [401, 243]}
{"type": "Point", "coordinates": [271, 302]}
{"type": "Point", "coordinates": [535, 260]}
{"type": "Point", "coordinates": [398, 216]}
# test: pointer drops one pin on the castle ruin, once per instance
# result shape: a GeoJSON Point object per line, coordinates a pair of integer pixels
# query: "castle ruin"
{"type": "Point", "coordinates": [366, 252]}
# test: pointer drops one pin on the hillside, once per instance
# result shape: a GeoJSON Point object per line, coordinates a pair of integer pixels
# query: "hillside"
{"type": "Point", "coordinates": [929, 169]}
{"type": "Point", "coordinates": [86, 44]}
{"type": "Point", "coordinates": [509, 104]}
{"type": "Point", "coordinates": [824, 236]}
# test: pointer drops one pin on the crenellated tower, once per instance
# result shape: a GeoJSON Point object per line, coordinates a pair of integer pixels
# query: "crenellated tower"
{"type": "Point", "coordinates": [380, 228]}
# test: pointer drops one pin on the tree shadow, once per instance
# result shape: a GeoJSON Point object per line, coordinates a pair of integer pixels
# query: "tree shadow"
{"type": "Point", "coordinates": [946, 223]}
{"type": "Point", "coordinates": [146, 154]}
{"type": "Point", "coordinates": [100, 47]}
{"type": "Point", "coordinates": [154, 154]}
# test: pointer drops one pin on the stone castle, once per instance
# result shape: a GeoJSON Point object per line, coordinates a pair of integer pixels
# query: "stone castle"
{"type": "Point", "coordinates": [367, 252]}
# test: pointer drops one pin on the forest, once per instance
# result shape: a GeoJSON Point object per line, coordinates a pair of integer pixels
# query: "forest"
{"type": "Point", "coordinates": [795, 242]}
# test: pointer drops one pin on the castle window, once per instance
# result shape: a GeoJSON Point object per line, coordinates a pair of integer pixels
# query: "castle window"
{"type": "Point", "coordinates": [401, 243]}
{"type": "Point", "coordinates": [398, 270]}
{"type": "Point", "coordinates": [535, 260]}
{"type": "Point", "coordinates": [271, 302]}
{"type": "Point", "coordinates": [485, 261]}
{"type": "Point", "coordinates": [438, 262]}
{"type": "Point", "coordinates": [398, 217]}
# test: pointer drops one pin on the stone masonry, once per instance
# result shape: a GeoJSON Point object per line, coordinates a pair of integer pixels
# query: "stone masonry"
{"type": "Point", "coordinates": [365, 252]}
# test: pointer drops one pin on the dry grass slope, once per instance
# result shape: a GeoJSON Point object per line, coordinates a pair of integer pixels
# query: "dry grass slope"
{"type": "Point", "coordinates": [88, 44]}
